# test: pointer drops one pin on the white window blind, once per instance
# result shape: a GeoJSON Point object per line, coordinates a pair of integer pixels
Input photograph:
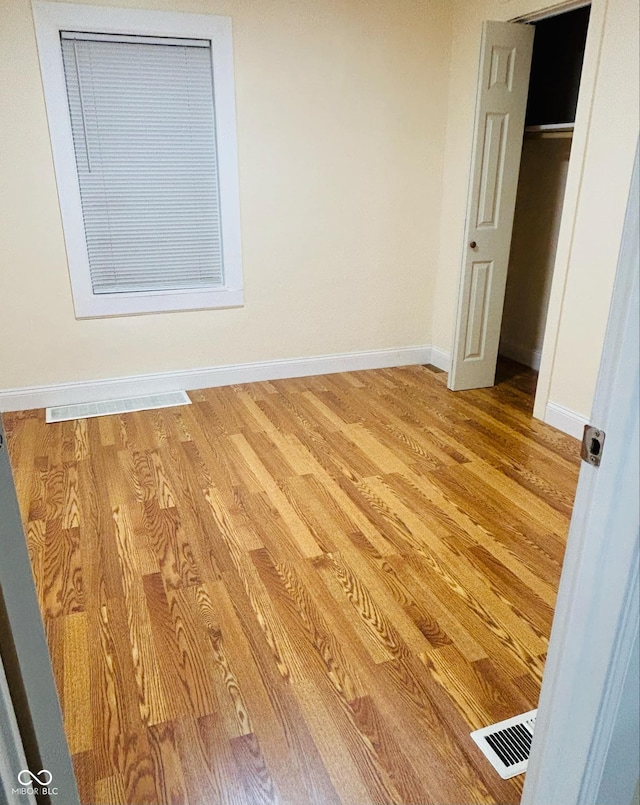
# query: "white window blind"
{"type": "Point", "coordinates": [144, 134]}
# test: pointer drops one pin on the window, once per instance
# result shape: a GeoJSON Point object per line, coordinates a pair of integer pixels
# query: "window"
{"type": "Point", "coordinates": [142, 124]}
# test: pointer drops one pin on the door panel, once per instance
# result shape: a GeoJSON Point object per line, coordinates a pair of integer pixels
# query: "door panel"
{"type": "Point", "coordinates": [491, 169]}
{"type": "Point", "coordinates": [477, 313]}
{"type": "Point", "coordinates": [501, 70]}
{"type": "Point", "coordinates": [505, 62]}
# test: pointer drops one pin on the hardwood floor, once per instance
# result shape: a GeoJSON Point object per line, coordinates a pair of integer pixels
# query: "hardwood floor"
{"type": "Point", "coordinates": [303, 591]}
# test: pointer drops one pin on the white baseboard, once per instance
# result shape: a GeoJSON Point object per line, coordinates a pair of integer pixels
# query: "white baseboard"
{"type": "Point", "coordinates": [440, 358]}
{"type": "Point", "coordinates": [524, 355]}
{"type": "Point", "coordinates": [565, 420]}
{"type": "Point", "coordinates": [18, 399]}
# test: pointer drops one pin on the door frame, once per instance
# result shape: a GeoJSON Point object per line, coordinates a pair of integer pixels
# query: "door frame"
{"type": "Point", "coordinates": [586, 92]}
{"type": "Point", "coordinates": [12, 755]}
{"type": "Point", "coordinates": [27, 663]}
{"type": "Point", "coordinates": [597, 618]}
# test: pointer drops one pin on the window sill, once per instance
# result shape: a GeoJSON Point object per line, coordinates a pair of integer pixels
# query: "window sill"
{"type": "Point", "coordinates": [134, 304]}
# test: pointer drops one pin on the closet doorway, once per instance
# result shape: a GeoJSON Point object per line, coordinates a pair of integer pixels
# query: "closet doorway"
{"type": "Point", "coordinates": [510, 164]}
{"type": "Point", "coordinates": [556, 68]}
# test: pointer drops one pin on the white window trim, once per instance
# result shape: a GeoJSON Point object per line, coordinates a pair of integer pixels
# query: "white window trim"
{"type": "Point", "coordinates": [51, 18]}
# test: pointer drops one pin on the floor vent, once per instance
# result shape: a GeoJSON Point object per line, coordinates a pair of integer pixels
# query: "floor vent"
{"type": "Point", "coordinates": [63, 413]}
{"type": "Point", "coordinates": [506, 745]}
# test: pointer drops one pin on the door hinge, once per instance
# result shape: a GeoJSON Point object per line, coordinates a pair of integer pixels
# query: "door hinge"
{"type": "Point", "coordinates": [592, 444]}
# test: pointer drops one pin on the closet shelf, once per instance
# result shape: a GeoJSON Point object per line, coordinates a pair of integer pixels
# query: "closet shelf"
{"type": "Point", "coordinates": [551, 130]}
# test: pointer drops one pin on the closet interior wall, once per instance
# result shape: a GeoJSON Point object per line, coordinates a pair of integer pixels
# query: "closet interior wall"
{"type": "Point", "coordinates": [541, 186]}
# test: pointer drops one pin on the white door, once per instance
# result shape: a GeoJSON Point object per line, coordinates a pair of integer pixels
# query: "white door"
{"type": "Point", "coordinates": [505, 63]}
{"type": "Point", "coordinates": [585, 746]}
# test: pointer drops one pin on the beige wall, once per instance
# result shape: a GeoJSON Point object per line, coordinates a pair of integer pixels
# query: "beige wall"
{"type": "Point", "coordinates": [541, 185]}
{"type": "Point", "coordinates": [341, 108]}
{"type": "Point", "coordinates": [597, 190]}
{"type": "Point", "coordinates": [354, 128]}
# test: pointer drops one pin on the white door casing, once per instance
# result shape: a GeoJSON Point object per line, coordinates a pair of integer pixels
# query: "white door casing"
{"type": "Point", "coordinates": [27, 667]}
{"type": "Point", "coordinates": [503, 83]}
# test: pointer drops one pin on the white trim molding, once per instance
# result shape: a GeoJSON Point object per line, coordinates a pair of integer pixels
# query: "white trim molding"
{"type": "Point", "coordinates": [88, 391]}
{"type": "Point", "coordinates": [565, 419]}
{"type": "Point", "coordinates": [440, 359]}
{"type": "Point", "coordinates": [525, 355]}
{"type": "Point", "coordinates": [91, 391]}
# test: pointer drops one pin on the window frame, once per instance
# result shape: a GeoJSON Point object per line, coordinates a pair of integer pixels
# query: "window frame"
{"type": "Point", "coordinates": [50, 18]}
